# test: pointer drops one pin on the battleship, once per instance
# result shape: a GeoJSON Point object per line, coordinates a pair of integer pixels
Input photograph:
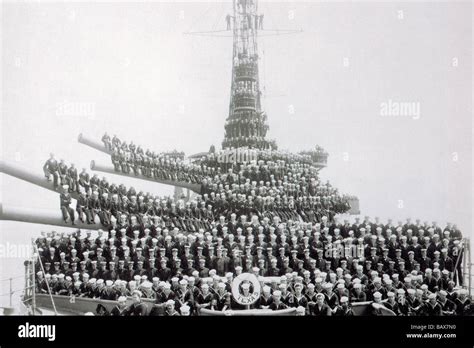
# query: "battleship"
{"type": "Point", "coordinates": [245, 147]}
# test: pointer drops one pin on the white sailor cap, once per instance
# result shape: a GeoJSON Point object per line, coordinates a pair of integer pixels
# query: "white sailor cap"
{"type": "Point", "coordinates": [344, 299]}
{"type": "Point", "coordinates": [401, 291]}
{"type": "Point", "coordinates": [170, 303]}
{"type": "Point", "coordinates": [320, 296]}
{"type": "Point", "coordinates": [109, 283]}
{"type": "Point", "coordinates": [147, 285]}
{"type": "Point", "coordinates": [377, 294]}
{"type": "Point", "coordinates": [328, 285]}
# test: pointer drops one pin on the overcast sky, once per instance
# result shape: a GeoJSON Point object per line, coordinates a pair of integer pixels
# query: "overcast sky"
{"type": "Point", "coordinates": [127, 68]}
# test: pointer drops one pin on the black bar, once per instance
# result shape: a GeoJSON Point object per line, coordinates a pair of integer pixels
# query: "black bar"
{"type": "Point", "coordinates": [242, 330]}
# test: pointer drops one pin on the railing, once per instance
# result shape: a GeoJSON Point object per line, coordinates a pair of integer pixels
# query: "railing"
{"type": "Point", "coordinates": [11, 291]}
{"type": "Point", "coordinates": [26, 292]}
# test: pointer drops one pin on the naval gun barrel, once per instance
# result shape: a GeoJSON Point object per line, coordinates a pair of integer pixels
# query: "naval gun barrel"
{"type": "Point", "coordinates": [110, 169]}
{"type": "Point", "coordinates": [40, 216]}
{"type": "Point", "coordinates": [83, 139]}
{"type": "Point", "coordinates": [24, 174]}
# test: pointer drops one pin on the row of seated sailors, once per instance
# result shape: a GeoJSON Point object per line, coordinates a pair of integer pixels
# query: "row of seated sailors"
{"type": "Point", "coordinates": [214, 292]}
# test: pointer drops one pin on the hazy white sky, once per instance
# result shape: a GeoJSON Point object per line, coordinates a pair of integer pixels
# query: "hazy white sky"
{"type": "Point", "coordinates": [134, 73]}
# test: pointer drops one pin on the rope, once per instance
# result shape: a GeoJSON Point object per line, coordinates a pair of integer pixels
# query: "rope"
{"type": "Point", "coordinates": [47, 285]}
{"type": "Point", "coordinates": [219, 14]}
{"type": "Point", "coordinates": [458, 259]}
{"type": "Point", "coordinates": [11, 278]}
{"type": "Point", "coordinates": [14, 291]}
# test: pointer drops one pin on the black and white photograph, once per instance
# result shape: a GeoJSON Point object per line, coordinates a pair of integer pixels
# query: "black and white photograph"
{"type": "Point", "coordinates": [238, 159]}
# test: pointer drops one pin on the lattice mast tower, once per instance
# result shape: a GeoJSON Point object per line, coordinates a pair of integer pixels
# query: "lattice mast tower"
{"type": "Point", "coordinates": [246, 124]}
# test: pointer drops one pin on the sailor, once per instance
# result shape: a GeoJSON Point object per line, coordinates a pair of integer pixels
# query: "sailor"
{"type": "Point", "coordinates": [108, 293]}
{"type": "Point", "coordinates": [299, 299]}
{"type": "Point", "coordinates": [277, 304]}
{"type": "Point", "coordinates": [65, 203]}
{"type": "Point", "coordinates": [463, 303]}
{"type": "Point", "coordinates": [403, 306]}
{"type": "Point", "coordinates": [137, 308]}
{"type": "Point", "coordinates": [432, 307]}
{"type": "Point", "coordinates": [310, 293]}
{"type": "Point", "coordinates": [344, 308]}
{"type": "Point", "coordinates": [377, 305]}
{"type": "Point", "coordinates": [170, 309]}
{"type": "Point", "coordinates": [166, 294]}
{"type": "Point", "coordinates": [164, 273]}
{"type": "Point", "coordinates": [204, 299]}
{"type": "Point", "coordinates": [183, 295]}
{"type": "Point", "coordinates": [448, 307]}
{"type": "Point", "coordinates": [391, 303]}
{"type": "Point", "coordinates": [320, 308]}
{"type": "Point", "coordinates": [147, 291]}
{"type": "Point", "coordinates": [51, 168]}
{"type": "Point", "coordinates": [265, 299]}
{"type": "Point", "coordinates": [121, 309]}
{"type": "Point", "coordinates": [414, 303]}
{"type": "Point", "coordinates": [222, 299]}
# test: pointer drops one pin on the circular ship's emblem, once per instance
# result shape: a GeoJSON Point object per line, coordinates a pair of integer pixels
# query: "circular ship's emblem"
{"type": "Point", "coordinates": [246, 289]}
